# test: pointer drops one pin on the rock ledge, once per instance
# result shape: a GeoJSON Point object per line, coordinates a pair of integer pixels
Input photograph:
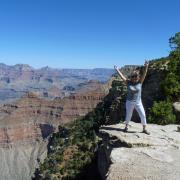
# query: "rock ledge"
{"type": "Point", "coordinates": [135, 155]}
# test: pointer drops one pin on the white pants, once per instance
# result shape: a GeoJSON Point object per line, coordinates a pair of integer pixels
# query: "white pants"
{"type": "Point", "coordinates": [130, 105]}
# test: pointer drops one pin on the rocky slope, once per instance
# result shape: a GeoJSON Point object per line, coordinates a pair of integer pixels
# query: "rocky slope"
{"type": "Point", "coordinates": [135, 155]}
{"type": "Point", "coordinates": [18, 162]}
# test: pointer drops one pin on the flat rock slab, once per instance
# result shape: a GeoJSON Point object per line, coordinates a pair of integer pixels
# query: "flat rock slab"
{"type": "Point", "coordinates": [135, 155]}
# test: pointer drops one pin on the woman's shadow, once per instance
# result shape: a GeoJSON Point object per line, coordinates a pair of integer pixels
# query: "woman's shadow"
{"type": "Point", "coordinates": [117, 129]}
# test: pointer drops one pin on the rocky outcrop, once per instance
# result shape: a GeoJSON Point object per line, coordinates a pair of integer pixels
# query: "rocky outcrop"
{"type": "Point", "coordinates": [135, 155]}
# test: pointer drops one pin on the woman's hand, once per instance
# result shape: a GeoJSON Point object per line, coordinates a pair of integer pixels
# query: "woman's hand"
{"type": "Point", "coordinates": [120, 74]}
{"type": "Point", "coordinates": [146, 64]}
{"type": "Point", "coordinates": [115, 67]}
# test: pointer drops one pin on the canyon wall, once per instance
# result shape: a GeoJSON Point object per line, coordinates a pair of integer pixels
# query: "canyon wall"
{"type": "Point", "coordinates": [26, 124]}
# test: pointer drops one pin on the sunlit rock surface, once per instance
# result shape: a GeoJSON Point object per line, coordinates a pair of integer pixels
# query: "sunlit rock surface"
{"type": "Point", "coordinates": [135, 155]}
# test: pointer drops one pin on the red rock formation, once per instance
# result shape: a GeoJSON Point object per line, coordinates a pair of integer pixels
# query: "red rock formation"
{"type": "Point", "coordinates": [20, 133]}
{"type": "Point", "coordinates": [32, 118]}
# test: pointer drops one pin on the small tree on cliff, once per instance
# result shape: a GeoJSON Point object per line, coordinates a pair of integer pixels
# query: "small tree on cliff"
{"type": "Point", "coordinates": [171, 84]}
{"type": "Point", "coordinates": [162, 112]}
{"type": "Point", "coordinates": [175, 42]}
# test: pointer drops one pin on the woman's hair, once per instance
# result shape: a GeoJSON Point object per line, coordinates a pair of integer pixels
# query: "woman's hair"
{"type": "Point", "coordinates": [135, 73]}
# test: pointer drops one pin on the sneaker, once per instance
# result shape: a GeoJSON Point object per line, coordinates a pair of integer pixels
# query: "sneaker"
{"type": "Point", "coordinates": [178, 128]}
{"type": "Point", "coordinates": [126, 129]}
{"type": "Point", "coordinates": [146, 132]}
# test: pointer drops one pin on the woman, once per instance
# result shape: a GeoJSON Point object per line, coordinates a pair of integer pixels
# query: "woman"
{"type": "Point", "coordinates": [133, 100]}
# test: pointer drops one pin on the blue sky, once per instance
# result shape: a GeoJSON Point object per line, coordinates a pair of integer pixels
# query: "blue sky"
{"type": "Point", "coordinates": [86, 33]}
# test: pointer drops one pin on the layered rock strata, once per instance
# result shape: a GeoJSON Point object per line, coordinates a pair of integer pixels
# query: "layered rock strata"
{"type": "Point", "coordinates": [47, 82]}
{"type": "Point", "coordinates": [26, 124]}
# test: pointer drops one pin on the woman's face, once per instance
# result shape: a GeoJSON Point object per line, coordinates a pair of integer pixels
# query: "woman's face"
{"type": "Point", "coordinates": [135, 78]}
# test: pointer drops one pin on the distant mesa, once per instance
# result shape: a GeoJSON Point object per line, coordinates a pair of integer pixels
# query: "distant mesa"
{"type": "Point", "coordinates": [30, 95]}
{"type": "Point", "coordinates": [46, 82]}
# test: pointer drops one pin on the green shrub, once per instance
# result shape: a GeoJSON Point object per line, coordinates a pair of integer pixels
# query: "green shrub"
{"type": "Point", "coordinates": [171, 83]}
{"type": "Point", "coordinates": [71, 150]}
{"type": "Point", "coordinates": [162, 113]}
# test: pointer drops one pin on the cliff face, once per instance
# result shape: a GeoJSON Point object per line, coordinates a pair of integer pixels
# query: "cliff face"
{"type": "Point", "coordinates": [26, 118]}
{"type": "Point", "coordinates": [26, 124]}
{"type": "Point", "coordinates": [152, 85]}
{"type": "Point", "coordinates": [135, 155]}
{"type": "Point", "coordinates": [19, 161]}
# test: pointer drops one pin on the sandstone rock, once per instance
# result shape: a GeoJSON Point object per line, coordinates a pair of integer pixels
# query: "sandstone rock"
{"type": "Point", "coordinates": [135, 155]}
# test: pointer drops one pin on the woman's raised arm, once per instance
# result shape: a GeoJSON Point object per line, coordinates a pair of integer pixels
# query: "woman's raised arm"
{"type": "Point", "coordinates": [146, 65]}
{"type": "Point", "coordinates": [120, 74]}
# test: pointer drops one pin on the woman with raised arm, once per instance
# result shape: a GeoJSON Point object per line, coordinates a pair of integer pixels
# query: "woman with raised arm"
{"type": "Point", "coordinates": [133, 99]}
